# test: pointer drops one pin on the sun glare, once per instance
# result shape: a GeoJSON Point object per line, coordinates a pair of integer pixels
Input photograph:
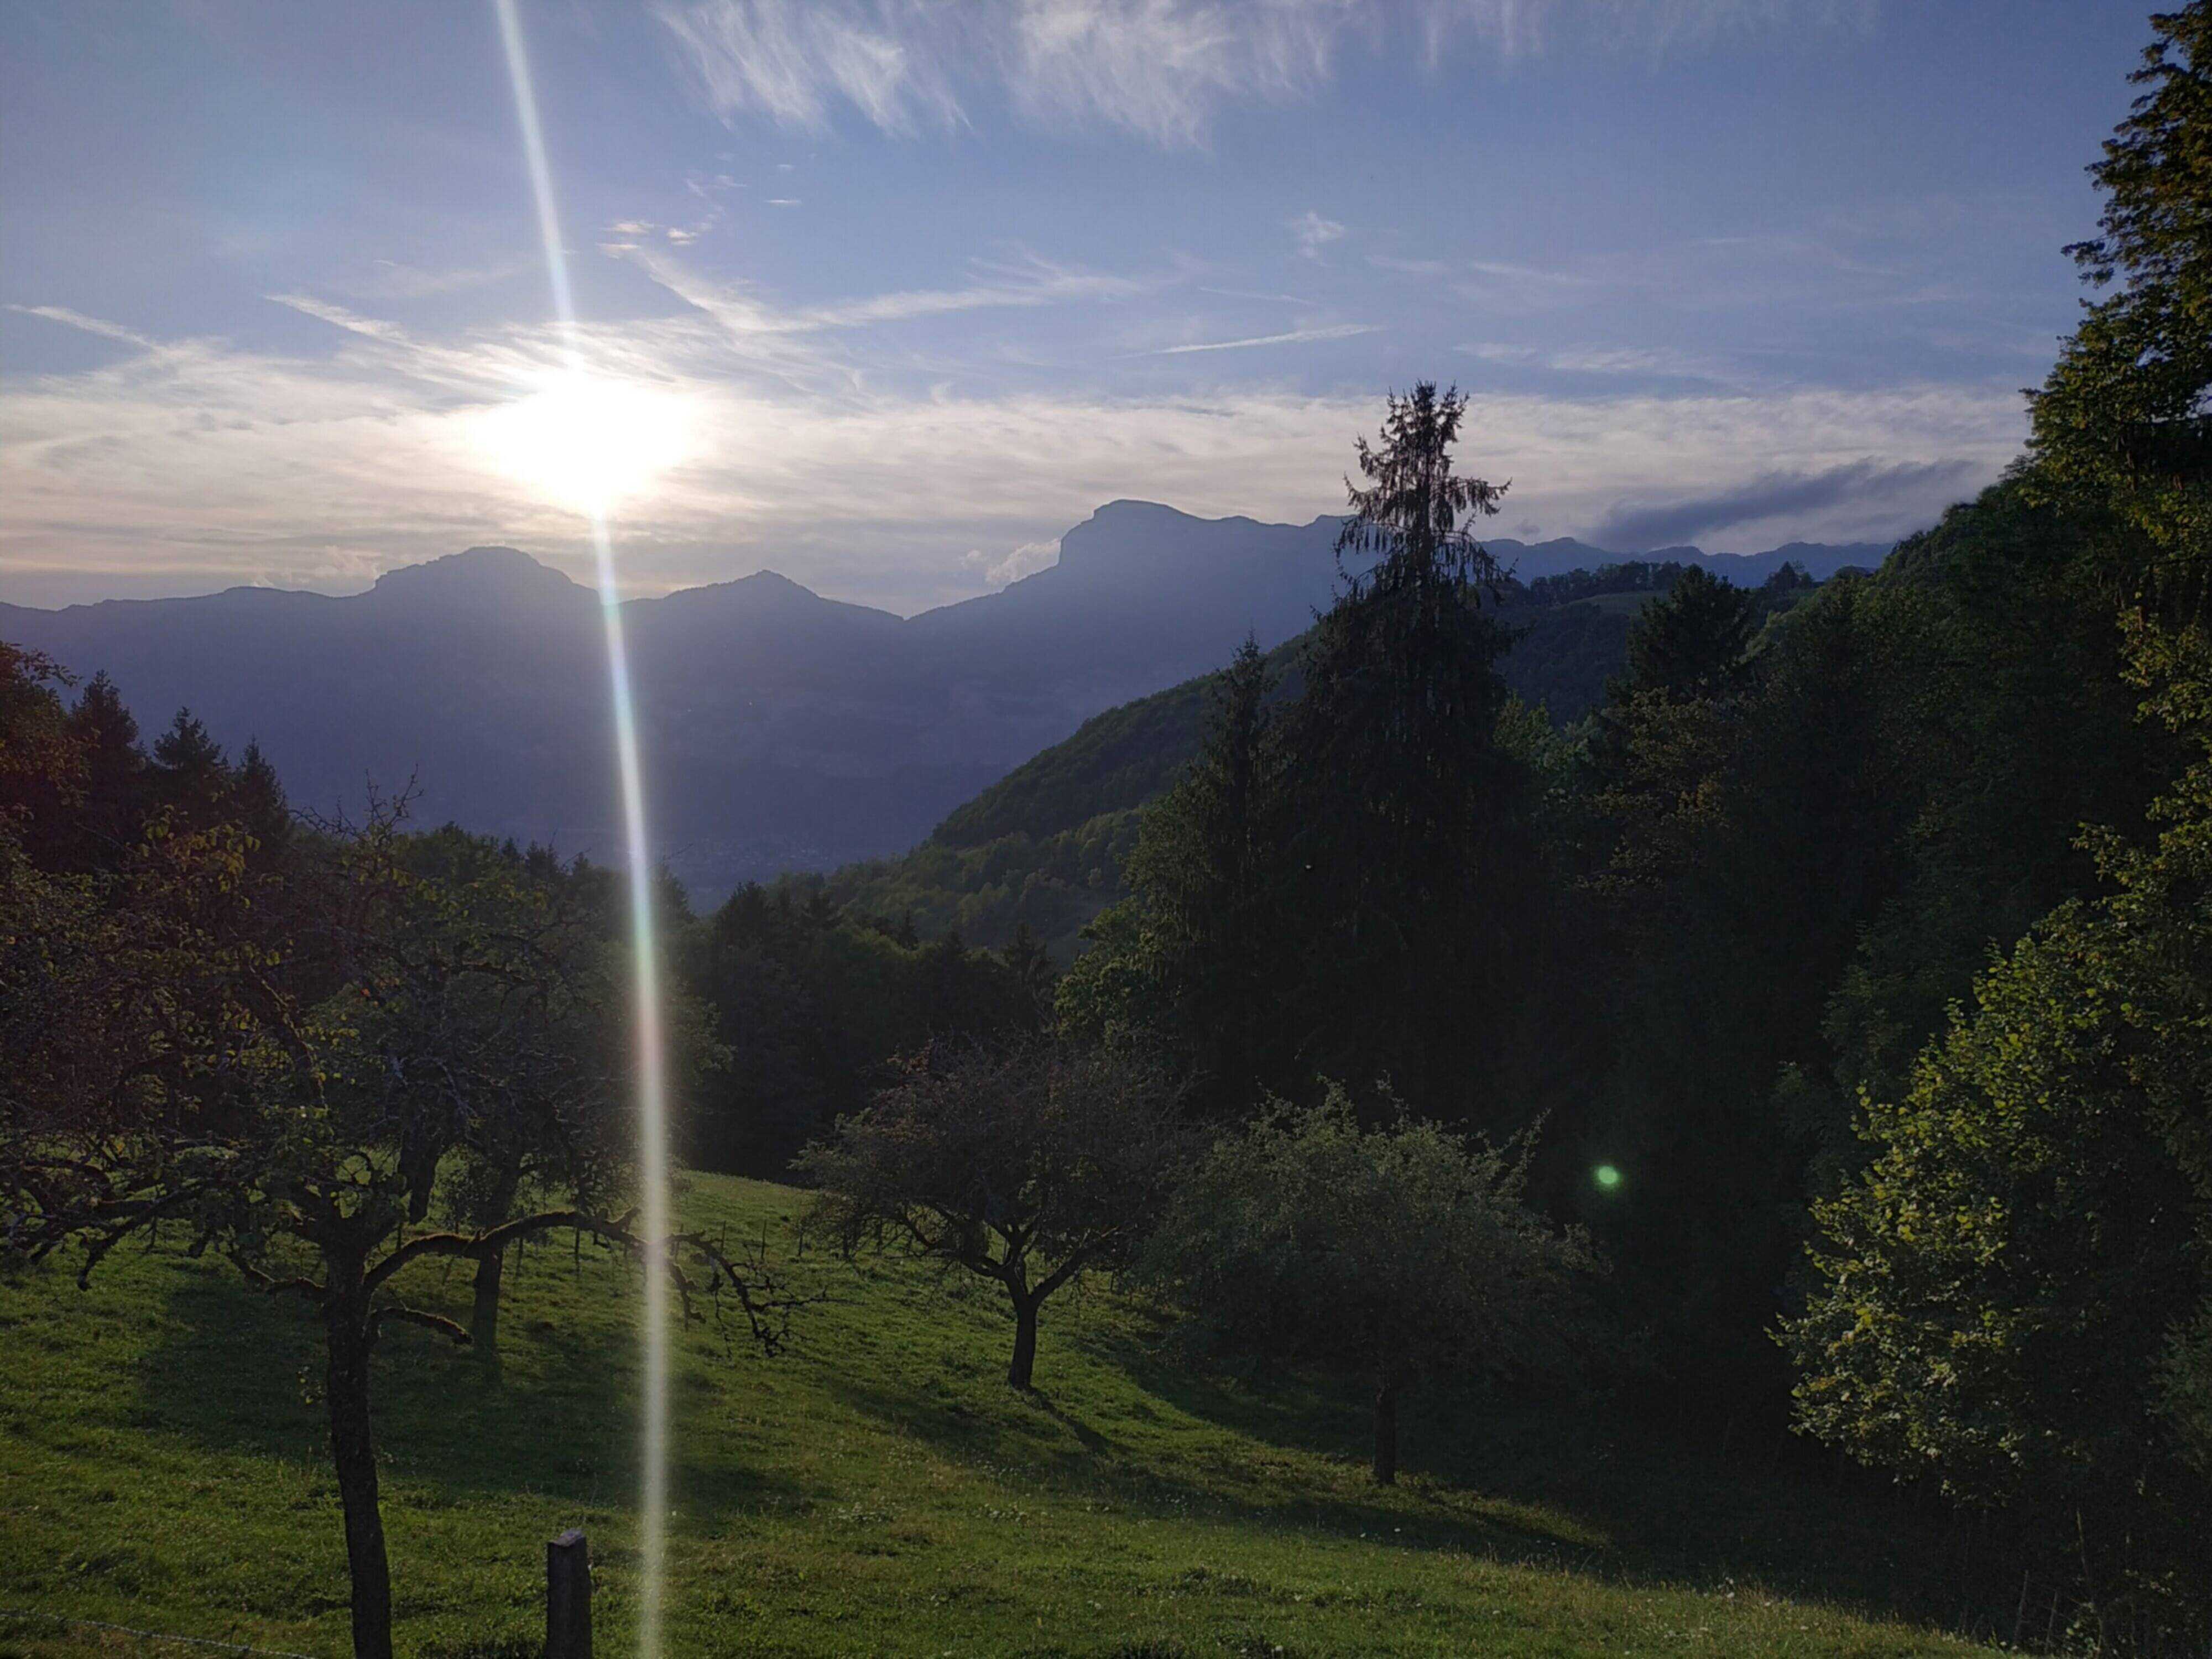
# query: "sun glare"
{"type": "Point", "coordinates": [588, 444]}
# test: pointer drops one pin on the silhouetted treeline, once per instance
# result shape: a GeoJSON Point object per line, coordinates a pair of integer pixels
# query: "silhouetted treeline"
{"type": "Point", "coordinates": [813, 1005]}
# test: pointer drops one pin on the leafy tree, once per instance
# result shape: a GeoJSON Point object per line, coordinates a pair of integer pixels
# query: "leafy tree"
{"type": "Point", "coordinates": [1028, 1167]}
{"type": "Point", "coordinates": [2010, 1294]}
{"type": "Point", "coordinates": [39, 765]}
{"type": "Point", "coordinates": [494, 983]}
{"type": "Point", "coordinates": [300, 1102]}
{"type": "Point", "coordinates": [1026, 960]}
{"type": "Point", "coordinates": [1996, 1286]}
{"type": "Point", "coordinates": [1118, 985]}
{"type": "Point", "coordinates": [1401, 1253]}
{"type": "Point", "coordinates": [1999, 687]}
{"type": "Point", "coordinates": [1999, 1291]}
{"type": "Point", "coordinates": [2013, 1296]}
{"type": "Point", "coordinates": [2120, 422]}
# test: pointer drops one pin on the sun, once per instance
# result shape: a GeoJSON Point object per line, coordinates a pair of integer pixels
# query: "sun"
{"type": "Point", "coordinates": [587, 443]}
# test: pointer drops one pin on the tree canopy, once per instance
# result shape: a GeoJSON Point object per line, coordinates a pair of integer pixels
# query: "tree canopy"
{"type": "Point", "coordinates": [1028, 1166]}
{"type": "Point", "coordinates": [1403, 1254]}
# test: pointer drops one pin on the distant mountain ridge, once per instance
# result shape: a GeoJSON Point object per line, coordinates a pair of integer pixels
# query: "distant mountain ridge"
{"type": "Point", "coordinates": [1529, 560]}
{"type": "Point", "coordinates": [781, 730]}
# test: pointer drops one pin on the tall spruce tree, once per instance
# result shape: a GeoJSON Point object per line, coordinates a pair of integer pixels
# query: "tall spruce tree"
{"type": "Point", "coordinates": [108, 818]}
{"type": "Point", "coordinates": [1409, 861]}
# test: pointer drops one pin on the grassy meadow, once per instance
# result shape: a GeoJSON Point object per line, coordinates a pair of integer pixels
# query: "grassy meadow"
{"type": "Point", "coordinates": [877, 1489]}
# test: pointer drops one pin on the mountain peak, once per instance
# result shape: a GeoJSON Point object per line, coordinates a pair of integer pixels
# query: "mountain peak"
{"type": "Point", "coordinates": [771, 589]}
{"type": "Point", "coordinates": [775, 581]}
{"type": "Point", "coordinates": [1128, 509]}
{"type": "Point", "coordinates": [1125, 537]}
{"type": "Point", "coordinates": [476, 573]}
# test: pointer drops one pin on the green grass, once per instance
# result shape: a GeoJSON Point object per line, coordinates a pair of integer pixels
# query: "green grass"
{"type": "Point", "coordinates": [875, 1490]}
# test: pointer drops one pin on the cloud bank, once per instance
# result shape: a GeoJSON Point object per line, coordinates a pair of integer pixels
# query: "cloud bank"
{"type": "Point", "coordinates": [1773, 496]}
{"type": "Point", "coordinates": [184, 465]}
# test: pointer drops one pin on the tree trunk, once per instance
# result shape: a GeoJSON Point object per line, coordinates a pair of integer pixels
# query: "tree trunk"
{"type": "Point", "coordinates": [1025, 1360]}
{"type": "Point", "coordinates": [492, 1270]}
{"type": "Point", "coordinates": [1386, 1434]}
{"type": "Point", "coordinates": [353, 1451]}
{"type": "Point", "coordinates": [484, 1318]}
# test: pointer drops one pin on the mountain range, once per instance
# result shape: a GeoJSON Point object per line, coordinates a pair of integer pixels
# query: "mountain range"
{"type": "Point", "coordinates": [782, 730]}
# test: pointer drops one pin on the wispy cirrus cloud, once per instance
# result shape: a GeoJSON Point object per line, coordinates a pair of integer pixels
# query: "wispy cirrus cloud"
{"type": "Point", "coordinates": [338, 316]}
{"type": "Point", "coordinates": [795, 60]}
{"type": "Point", "coordinates": [396, 279]}
{"type": "Point", "coordinates": [1023, 281]}
{"type": "Point", "coordinates": [1160, 69]}
{"type": "Point", "coordinates": [77, 319]}
{"type": "Point", "coordinates": [804, 345]}
{"type": "Point", "coordinates": [1293, 336]}
{"type": "Point", "coordinates": [1663, 362]}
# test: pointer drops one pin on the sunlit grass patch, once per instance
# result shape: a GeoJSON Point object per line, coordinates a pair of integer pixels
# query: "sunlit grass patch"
{"type": "Point", "coordinates": [875, 1490]}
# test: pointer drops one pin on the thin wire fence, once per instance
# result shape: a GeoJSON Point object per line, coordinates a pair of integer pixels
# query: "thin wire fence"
{"type": "Point", "coordinates": [150, 1635]}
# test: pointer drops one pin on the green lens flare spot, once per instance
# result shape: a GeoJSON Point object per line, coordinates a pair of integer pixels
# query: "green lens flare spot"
{"type": "Point", "coordinates": [1608, 1177]}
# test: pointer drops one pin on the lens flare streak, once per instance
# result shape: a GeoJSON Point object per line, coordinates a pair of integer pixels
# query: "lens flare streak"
{"type": "Point", "coordinates": [652, 1078]}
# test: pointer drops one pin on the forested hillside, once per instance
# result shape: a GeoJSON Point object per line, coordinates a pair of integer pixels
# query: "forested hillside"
{"type": "Point", "coordinates": [1042, 848]}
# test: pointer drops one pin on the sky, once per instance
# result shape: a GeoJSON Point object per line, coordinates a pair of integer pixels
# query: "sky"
{"type": "Point", "coordinates": [886, 294]}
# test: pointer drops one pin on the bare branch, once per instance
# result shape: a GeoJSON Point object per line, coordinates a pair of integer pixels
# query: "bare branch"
{"type": "Point", "coordinates": [427, 1320]}
{"type": "Point", "coordinates": [262, 1282]}
{"type": "Point", "coordinates": [766, 1306]}
{"type": "Point", "coordinates": [479, 1245]}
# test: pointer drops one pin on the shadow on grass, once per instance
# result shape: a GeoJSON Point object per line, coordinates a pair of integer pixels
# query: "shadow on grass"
{"type": "Point", "coordinates": [1634, 1500]}
{"type": "Point", "coordinates": [1585, 1487]}
{"type": "Point", "coordinates": [238, 1371]}
{"type": "Point", "coordinates": [1040, 1438]}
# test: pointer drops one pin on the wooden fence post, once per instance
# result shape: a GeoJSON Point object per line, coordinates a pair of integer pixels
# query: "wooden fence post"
{"type": "Point", "coordinates": [568, 1597]}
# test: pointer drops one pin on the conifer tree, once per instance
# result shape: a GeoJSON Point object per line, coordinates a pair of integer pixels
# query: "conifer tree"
{"type": "Point", "coordinates": [1207, 869]}
{"type": "Point", "coordinates": [1409, 856]}
{"type": "Point", "coordinates": [1689, 642]}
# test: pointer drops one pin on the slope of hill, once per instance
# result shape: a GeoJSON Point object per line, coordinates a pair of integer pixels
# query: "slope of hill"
{"type": "Point", "coordinates": [782, 731]}
{"type": "Point", "coordinates": [1115, 760]}
{"type": "Point", "coordinates": [879, 1489]}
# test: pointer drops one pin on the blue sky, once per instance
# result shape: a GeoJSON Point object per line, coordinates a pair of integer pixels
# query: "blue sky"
{"type": "Point", "coordinates": [886, 294]}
